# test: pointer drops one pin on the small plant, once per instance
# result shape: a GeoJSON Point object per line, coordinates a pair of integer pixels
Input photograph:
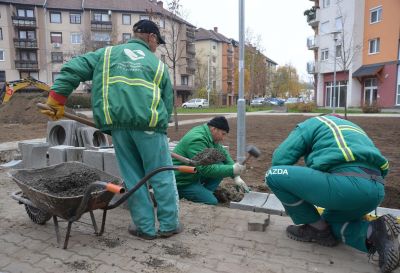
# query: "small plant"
{"type": "Point", "coordinates": [371, 108]}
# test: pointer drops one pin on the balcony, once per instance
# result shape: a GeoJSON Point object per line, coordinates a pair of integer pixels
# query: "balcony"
{"type": "Point", "coordinates": [24, 22]}
{"type": "Point", "coordinates": [190, 49]}
{"type": "Point", "coordinates": [312, 17]}
{"type": "Point", "coordinates": [312, 42]}
{"type": "Point", "coordinates": [311, 68]}
{"type": "Point", "coordinates": [26, 65]}
{"type": "Point", "coordinates": [101, 25]}
{"type": "Point", "coordinates": [25, 43]}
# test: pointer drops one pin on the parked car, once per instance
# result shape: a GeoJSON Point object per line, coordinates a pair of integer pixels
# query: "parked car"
{"type": "Point", "coordinates": [258, 102]}
{"type": "Point", "coordinates": [293, 100]}
{"type": "Point", "coordinates": [276, 101]}
{"type": "Point", "coordinates": [196, 103]}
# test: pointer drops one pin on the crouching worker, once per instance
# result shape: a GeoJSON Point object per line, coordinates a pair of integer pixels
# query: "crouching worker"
{"type": "Point", "coordinates": [200, 187]}
{"type": "Point", "coordinates": [344, 174]}
{"type": "Point", "coordinates": [132, 98]}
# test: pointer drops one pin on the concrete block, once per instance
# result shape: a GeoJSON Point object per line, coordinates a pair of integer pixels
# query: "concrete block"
{"type": "Point", "coordinates": [75, 153]}
{"type": "Point", "coordinates": [258, 224]}
{"type": "Point", "coordinates": [58, 154]}
{"type": "Point", "coordinates": [92, 137]}
{"type": "Point", "coordinates": [110, 162]}
{"type": "Point", "coordinates": [93, 158]}
{"type": "Point", "coordinates": [34, 154]}
{"type": "Point", "coordinates": [250, 201]}
{"type": "Point", "coordinates": [62, 132]}
{"type": "Point", "coordinates": [272, 206]}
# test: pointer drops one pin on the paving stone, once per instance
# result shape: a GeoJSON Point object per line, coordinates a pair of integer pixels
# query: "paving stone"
{"type": "Point", "coordinates": [21, 267]}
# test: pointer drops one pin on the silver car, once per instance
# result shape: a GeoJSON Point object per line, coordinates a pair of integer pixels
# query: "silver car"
{"type": "Point", "coordinates": [196, 103]}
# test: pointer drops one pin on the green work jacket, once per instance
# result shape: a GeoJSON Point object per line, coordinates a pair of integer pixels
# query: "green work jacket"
{"type": "Point", "coordinates": [328, 143]}
{"type": "Point", "coordinates": [131, 88]}
{"type": "Point", "coordinates": [194, 142]}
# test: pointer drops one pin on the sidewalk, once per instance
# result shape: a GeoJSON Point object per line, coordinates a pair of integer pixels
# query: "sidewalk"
{"type": "Point", "coordinates": [215, 239]}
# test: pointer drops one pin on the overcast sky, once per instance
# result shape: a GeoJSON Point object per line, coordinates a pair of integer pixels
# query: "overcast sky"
{"type": "Point", "coordinates": [281, 25]}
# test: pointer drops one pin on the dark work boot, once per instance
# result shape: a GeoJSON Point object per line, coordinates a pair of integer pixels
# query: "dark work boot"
{"type": "Point", "coordinates": [307, 233]}
{"type": "Point", "coordinates": [135, 232]}
{"type": "Point", "coordinates": [384, 240]}
{"type": "Point", "coordinates": [167, 234]}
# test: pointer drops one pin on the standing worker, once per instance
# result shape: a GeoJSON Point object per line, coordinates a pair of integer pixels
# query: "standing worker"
{"type": "Point", "coordinates": [132, 98]}
{"type": "Point", "coordinates": [344, 174]}
{"type": "Point", "coordinates": [200, 187]}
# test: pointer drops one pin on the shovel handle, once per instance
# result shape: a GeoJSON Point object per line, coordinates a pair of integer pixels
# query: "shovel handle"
{"type": "Point", "coordinates": [68, 115]}
{"type": "Point", "coordinates": [182, 159]}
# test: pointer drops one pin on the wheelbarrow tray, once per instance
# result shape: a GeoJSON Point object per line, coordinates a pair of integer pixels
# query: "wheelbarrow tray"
{"type": "Point", "coordinates": [63, 207]}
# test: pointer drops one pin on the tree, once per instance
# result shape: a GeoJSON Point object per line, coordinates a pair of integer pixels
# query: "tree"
{"type": "Point", "coordinates": [286, 82]}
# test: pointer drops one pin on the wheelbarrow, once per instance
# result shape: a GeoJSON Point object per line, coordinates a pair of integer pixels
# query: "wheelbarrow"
{"type": "Point", "coordinates": [43, 192]}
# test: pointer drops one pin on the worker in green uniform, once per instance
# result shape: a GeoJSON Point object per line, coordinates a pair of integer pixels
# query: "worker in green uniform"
{"type": "Point", "coordinates": [132, 98]}
{"type": "Point", "coordinates": [344, 174]}
{"type": "Point", "coordinates": [200, 187]}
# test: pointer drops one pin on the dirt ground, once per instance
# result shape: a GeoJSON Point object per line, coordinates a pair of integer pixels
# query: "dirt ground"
{"type": "Point", "coordinates": [21, 120]}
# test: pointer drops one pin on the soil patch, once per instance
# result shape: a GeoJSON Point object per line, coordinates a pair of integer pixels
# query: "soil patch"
{"type": "Point", "coordinates": [110, 242]}
{"type": "Point", "coordinates": [79, 265]}
{"type": "Point", "coordinates": [178, 250]}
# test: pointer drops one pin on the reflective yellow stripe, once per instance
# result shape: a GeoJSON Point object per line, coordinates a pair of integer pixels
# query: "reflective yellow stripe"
{"type": "Point", "coordinates": [128, 81]}
{"type": "Point", "coordinates": [106, 74]}
{"type": "Point", "coordinates": [156, 94]}
{"type": "Point", "coordinates": [385, 166]}
{"type": "Point", "coordinates": [351, 128]}
{"type": "Point", "coordinates": [348, 155]}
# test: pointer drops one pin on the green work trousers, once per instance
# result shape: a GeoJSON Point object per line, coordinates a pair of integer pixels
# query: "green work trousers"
{"type": "Point", "coordinates": [138, 153]}
{"type": "Point", "coordinates": [346, 199]}
{"type": "Point", "coordinates": [200, 191]}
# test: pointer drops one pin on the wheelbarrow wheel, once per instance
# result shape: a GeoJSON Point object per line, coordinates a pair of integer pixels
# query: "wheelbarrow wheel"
{"type": "Point", "coordinates": [37, 216]}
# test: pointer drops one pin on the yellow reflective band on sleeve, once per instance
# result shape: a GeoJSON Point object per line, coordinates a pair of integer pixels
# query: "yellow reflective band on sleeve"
{"type": "Point", "coordinates": [106, 74]}
{"type": "Point", "coordinates": [346, 151]}
{"type": "Point", "coordinates": [352, 128]}
{"type": "Point", "coordinates": [156, 94]}
{"type": "Point", "coordinates": [385, 166]}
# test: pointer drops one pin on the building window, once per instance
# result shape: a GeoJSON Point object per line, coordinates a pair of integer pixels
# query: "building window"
{"type": "Point", "coordinates": [101, 36]}
{"type": "Point", "coordinates": [1, 33]}
{"type": "Point", "coordinates": [126, 37]}
{"type": "Point", "coordinates": [214, 59]}
{"type": "Point", "coordinates": [26, 34]}
{"type": "Point", "coordinates": [162, 23]}
{"type": "Point", "coordinates": [76, 38]}
{"type": "Point", "coordinates": [326, 3]}
{"type": "Point", "coordinates": [374, 46]}
{"type": "Point", "coordinates": [75, 18]}
{"type": "Point", "coordinates": [144, 17]}
{"type": "Point", "coordinates": [57, 57]}
{"type": "Point", "coordinates": [126, 19]}
{"type": "Point", "coordinates": [339, 23]}
{"type": "Point", "coordinates": [324, 27]}
{"type": "Point", "coordinates": [55, 17]}
{"type": "Point", "coordinates": [27, 56]}
{"type": "Point", "coordinates": [2, 76]}
{"type": "Point", "coordinates": [370, 91]}
{"type": "Point", "coordinates": [25, 13]}
{"type": "Point", "coordinates": [324, 54]}
{"type": "Point", "coordinates": [1, 54]}
{"type": "Point", "coordinates": [101, 17]}
{"type": "Point", "coordinates": [375, 15]}
{"type": "Point", "coordinates": [337, 98]}
{"type": "Point", "coordinates": [338, 51]}
{"type": "Point", "coordinates": [163, 58]}
{"type": "Point", "coordinates": [56, 37]}
{"type": "Point", "coordinates": [185, 80]}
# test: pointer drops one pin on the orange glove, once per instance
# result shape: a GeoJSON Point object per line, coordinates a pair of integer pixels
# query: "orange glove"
{"type": "Point", "coordinates": [56, 102]}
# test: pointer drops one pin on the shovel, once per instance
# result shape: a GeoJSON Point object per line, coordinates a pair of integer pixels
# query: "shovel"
{"type": "Point", "coordinates": [206, 157]}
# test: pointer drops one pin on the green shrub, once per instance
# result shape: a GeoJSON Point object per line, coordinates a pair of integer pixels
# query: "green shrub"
{"type": "Point", "coordinates": [79, 100]}
{"type": "Point", "coordinates": [371, 108]}
{"type": "Point", "coordinates": [301, 107]}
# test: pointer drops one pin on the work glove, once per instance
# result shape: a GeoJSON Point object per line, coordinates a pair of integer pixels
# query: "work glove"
{"type": "Point", "coordinates": [56, 102]}
{"type": "Point", "coordinates": [241, 184]}
{"type": "Point", "coordinates": [238, 169]}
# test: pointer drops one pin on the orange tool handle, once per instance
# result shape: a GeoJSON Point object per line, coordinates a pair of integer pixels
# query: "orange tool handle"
{"type": "Point", "coordinates": [114, 188]}
{"type": "Point", "coordinates": [187, 169]}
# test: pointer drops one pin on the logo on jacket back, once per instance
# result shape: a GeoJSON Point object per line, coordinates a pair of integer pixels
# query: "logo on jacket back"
{"type": "Point", "coordinates": [135, 55]}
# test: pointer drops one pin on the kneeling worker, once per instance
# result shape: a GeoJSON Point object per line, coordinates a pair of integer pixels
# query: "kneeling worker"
{"type": "Point", "coordinates": [200, 187]}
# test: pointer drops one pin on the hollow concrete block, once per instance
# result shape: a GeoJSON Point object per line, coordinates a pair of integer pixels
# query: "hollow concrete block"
{"type": "Point", "coordinates": [62, 132]}
{"type": "Point", "coordinates": [58, 154]}
{"type": "Point", "coordinates": [34, 154]}
{"type": "Point", "coordinates": [75, 153]}
{"type": "Point", "coordinates": [92, 137]}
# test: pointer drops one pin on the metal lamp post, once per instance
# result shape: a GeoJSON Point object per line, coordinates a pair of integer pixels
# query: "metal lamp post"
{"type": "Point", "coordinates": [241, 126]}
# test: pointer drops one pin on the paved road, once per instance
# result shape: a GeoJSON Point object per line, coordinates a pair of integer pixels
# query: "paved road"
{"type": "Point", "coordinates": [215, 239]}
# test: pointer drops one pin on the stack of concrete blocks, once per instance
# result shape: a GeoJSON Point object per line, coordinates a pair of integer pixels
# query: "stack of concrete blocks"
{"type": "Point", "coordinates": [91, 137]}
{"type": "Point", "coordinates": [34, 154]}
{"type": "Point", "coordinates": [58, 154]}
{"type": "Point", "coordinates": [62, 132]}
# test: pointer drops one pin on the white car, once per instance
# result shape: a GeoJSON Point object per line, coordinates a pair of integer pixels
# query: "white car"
{"type": "Point", "coordinates": [195, 103]}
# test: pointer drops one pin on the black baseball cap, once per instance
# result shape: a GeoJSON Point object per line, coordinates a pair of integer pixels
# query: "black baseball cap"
{"type": "Point", "coordinates": [147, 26]}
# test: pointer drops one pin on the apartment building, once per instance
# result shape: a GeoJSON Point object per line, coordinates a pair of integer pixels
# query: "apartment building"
{"type": "Point", "coordinates": [38, 36]}
{"type": "Point", "coordinates": [218, 56]}
{"type": "Point", "coordinates": [379, 74]}
{"type": "Point", "coordinates": [337, 51]}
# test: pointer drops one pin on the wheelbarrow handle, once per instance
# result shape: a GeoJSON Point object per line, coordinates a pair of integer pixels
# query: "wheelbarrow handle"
{"type": "Point", "coordinates": [186, 169]}
{"type": "Point", "coordinates": [111, 187]}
